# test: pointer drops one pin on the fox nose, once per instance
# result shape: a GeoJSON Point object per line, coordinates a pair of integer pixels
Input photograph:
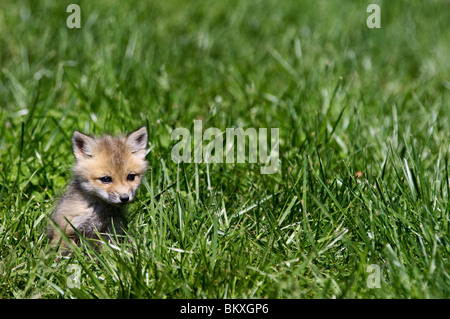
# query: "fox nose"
{"type": "Point", "coordinates": [124, 198]}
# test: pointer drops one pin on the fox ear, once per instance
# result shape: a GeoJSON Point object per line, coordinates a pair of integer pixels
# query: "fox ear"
{"type": "Point", "coordinates": [137, 140]}
{"type": "Point", "coordinates": [82, 145]}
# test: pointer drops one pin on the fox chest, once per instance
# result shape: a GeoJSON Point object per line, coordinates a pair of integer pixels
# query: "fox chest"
{"type": "Point", "coordinates": [98, 221]}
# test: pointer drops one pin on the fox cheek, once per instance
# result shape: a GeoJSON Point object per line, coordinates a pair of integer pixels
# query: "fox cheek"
{"type": "Point", "coordinates": [101, 193]}
{"type": "Point", "coordinates": [112, 198]}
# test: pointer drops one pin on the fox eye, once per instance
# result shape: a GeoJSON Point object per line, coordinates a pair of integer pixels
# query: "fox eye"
{"type": "Point", "coordinates": [131, 177]}
{"type": "Point", "coordinates": [105, 179]}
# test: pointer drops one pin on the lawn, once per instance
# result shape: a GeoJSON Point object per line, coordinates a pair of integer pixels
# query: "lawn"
{"type": "Point", "coordinates": [359, 207]}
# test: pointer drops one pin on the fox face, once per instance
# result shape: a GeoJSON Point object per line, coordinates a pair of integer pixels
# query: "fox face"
{"type": "Point", "coordinates": [110, 168]}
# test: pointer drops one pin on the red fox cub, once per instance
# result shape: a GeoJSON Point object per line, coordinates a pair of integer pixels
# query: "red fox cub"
{"type": "Point", "coordinates": [106, 175]}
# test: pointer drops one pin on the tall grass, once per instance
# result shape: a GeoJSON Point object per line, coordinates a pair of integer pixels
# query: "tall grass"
{"type": "Point", "coordinates": [363, 118]}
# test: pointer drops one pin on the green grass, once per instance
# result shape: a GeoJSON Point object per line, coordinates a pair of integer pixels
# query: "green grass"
{"type": "Point", "coordinates": [345, 98]}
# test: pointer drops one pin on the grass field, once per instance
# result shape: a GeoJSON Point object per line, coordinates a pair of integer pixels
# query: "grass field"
{"type": "Point", "coordinates": [346, 99]}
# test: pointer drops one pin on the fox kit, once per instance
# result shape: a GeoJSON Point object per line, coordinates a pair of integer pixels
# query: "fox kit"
{"type": "Point", "coordinates": [106, 175]}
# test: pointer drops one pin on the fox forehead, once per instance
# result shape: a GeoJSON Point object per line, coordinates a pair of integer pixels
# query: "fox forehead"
{"type": "Point", "coordinates": [112, 151]}
{"type": "Point", "coordinates": [113, 156]}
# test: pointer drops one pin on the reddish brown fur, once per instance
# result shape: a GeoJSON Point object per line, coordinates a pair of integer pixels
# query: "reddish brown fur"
{"type": "Point", "coordinates": [89, 204]}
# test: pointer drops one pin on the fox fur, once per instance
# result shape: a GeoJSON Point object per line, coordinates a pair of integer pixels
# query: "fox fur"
{"type": "Point", "coordinates": [106, 175]}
